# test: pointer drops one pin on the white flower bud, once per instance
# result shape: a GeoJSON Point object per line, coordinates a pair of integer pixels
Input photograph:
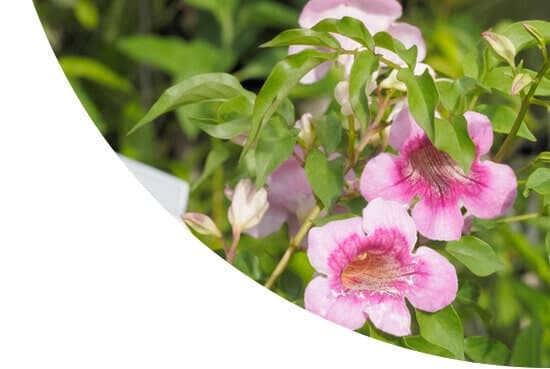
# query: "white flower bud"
{"type": "Point", "coordinates": [502, 46]}
{"type": "Point", "coordinates": [341, 94]}
{"type": "Point", "coordinates": [306, 130]}
{"type": "Point", "coordinates": [202, 224]}
{"type": "Point", "coordinates": [521, 81]}
{"type": "Point", "coordinates": [248, 206]}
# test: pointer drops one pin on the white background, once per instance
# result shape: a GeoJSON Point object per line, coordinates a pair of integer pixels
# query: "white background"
{"type": "Point", "coordinates": [95, 274]}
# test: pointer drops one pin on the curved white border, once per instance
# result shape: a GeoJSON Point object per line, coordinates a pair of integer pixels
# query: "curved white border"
{"type": "Point", "coordinates": [95, 274]}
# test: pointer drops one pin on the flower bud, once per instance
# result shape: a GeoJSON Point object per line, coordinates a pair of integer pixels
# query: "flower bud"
{"type": "Point", "coordinates": [306, 130]}
{"type": "Point", "coordinates": [202, 224]}
{"type": "Point", "coordinates": [341, 94]}
{"type": "Point", "coordinates": [521, 81]}
{"type": "Point", "coordinates": [502, 46]}
{"type": "Point", "coordinates": [248, 206]}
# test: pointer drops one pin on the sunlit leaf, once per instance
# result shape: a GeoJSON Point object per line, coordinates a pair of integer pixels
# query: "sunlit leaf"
{"type": "Point", "coordinates": [325, 177]}
{"type": "Point", "coordinates": [486, 350]}
{"type": "Point", "coordinates": [475, 254]}
{"type": "Point", "coordinates": [443, 329]}
{"type": "Point", "coordinates": [423, 98]}
{"type": "Point", "coordinates": [282, 79]}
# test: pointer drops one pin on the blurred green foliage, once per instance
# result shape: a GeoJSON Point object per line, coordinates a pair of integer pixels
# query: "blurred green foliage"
{"type": "Point", "coordinates": [121, 55]}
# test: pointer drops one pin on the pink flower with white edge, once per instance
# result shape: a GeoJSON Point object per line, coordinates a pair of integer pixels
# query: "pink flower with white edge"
{"type": "Point", "coordinates": [376, 15]}
{"type": "Point", "coordinates": [442, 187]}
{"type": "Point", "coordinates": [367, 269]}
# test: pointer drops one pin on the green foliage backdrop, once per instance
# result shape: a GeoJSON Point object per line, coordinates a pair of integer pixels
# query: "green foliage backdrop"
{"type": "Point", "coordinates": [121, 55]}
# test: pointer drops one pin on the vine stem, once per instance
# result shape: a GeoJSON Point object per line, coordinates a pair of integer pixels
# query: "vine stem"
{"type": "Point", "coordinates": [351, 138]}
{"type": "Point", "coordinates": [525, 104]}
{"type": "Point", "coordinates": [230, 256]}
{"type": "Point", "coordinates": [292, 247]}
{"type": "Point", "coordinates": [519, 218]}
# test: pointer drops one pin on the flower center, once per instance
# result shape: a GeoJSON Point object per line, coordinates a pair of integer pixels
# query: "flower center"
{"type": "Point", "coordinates": [436, 167]}
{"type": "Point", "coordinates": [374, 273]}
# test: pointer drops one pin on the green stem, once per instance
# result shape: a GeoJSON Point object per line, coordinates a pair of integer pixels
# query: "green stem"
{"type": "Point", "coordinates": [230, 257]}
{"type": "Point", "coordinates": [518, 218]}
{"type": "Point", "coordinates": [351, 138]}
{"type": "Point", "coordinates": [525, 104]}
{"type": "Point", "coordinates": [292, 247]}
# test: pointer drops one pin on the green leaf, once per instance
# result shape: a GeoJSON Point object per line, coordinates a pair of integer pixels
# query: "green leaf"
{"type": "Point", "coordinates": [418, 343]}
{"type": "Point", "coordinates": [237, 107]}
{"type": "Point", "coordinates": [386, 41]}
{"type": "Point", "coordinates": [224, 131]}
{"type": "Point", "coordinates": [271, 152]}
{"type": "Point", "coordinates": [476, 255]}
{"type": "Point", "coordinates": [453, 92]}
{"type": "Point", "coordinates": [501, 79]}
{"type": "Point", "coordinates": [486, 350]}
{"type": "Point", "coordinates": [349, 27]}
{"type": "Point", "coordinates": [366, 63]}
{"type": "Point", "coordinates": [89, 105]}
{"type": "Point", "coordinates": [328, 129]}
{"type": "Point", "coordinates": [454, 139]}
{"type": "Point", "coordinates": [223, 11]}
{"type": "Point", "coordinates": [325, 177]}
{"type": "Point", "coordinates": [219, 155]}
{"type": "Point", "coordinates": [547, 242]}
{"type": "Point", "coordinates": [443, 329]}
{"type": "Point", "coordinates": [539, 181]}
{"type": "Point", "coordinates": [267, 14]}
{"type": "Point", "coordinates": [282, 79]}
{"type": "Point", "coordinates": [304, 36]}
{"type": "Point", "coordinates": [528, 347]}
{"type": "Point", "coordinates": [87, 14]}
{"type": "Point", "coordinates": [502, 118]}
{"type": "Point", "coordinates": [77, 67]}
{"type": "Point", "coordinates": [543, 157]}
{"type": "Point", "coordinates": [172, 55]}
{"type": "Point", "coordinates": [261, 65]}
{"type": "Point", "coordinates": [521, 39]}
{"type": "Point", "coordinates": [422, 97]}
{"type": "Point", "coordinates": [201, 88]}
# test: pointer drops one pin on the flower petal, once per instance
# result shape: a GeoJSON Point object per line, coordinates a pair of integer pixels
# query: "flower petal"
{"type": "Point", "coordinates": [382, 177]}
{"type": "Point", "coordinates": [377, 15]}
{"type": "Point", "coordinates": [323, 240]}
{"type": "Point", "coordinates": [493, 190]}
{"type": "Point", "coordinates": [480, 130]}
{"type": "Point", "coordinates": [288, 186]}
{"type": "Point", "coordinates": [403, 129]}
{"type": "Point", "coordinates": [435, 282]}
{"type": "Point", "coordinates": [389, 314]}
{"type": "Point", "coordinates": [389, 215]}
{"type": "Point", "coordinates": [271, 222]}
{"type": "Point", "coordinates": [345, 311]}
{"type": "Point", "coordinates": [439, 219]}
{"type": "Point", "coordinates": [410, 36]}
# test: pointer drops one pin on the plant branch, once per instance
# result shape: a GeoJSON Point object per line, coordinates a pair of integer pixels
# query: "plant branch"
{"type": "Point", "coordinates": [519, 218]}
{"type": "Point", "coordinates": [292, 247]}
{"type": "Point", "coordinates": [525, 104]}
{"type": "Point", "coordinates": [351, 138]}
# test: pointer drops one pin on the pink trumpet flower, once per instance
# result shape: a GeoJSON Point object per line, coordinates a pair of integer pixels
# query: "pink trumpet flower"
{"type": "Point", "coordinates": [367, 268]}
{"type": "Point", "coordinates": [442, 187]}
